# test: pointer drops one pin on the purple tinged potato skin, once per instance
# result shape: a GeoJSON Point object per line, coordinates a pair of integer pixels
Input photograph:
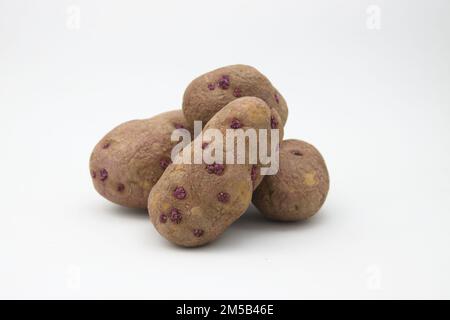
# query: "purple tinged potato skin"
{"type": "Point", "coordinates": [197, 232]}
{"type": "Point", "coordinates": [162, 218]}
{"type": "Point", "coordinates": [215, 168]}
{"type": "Point", "coordinates": [210, 92]}
{"type": "Point", "coordinates": [179, 193]}
{"type": "Point", "coordinates": [300, 187]}
{"type": "Point", "coordinates": [235, 124]}
{"type": "Point", "coordinates": [128, 161]}
{"type": "Point", "coordinates": [223, 197]}
{"type": "Point", "coordinates": [176, 216]}
{"type": "Point", "coordinates": [217, 195]}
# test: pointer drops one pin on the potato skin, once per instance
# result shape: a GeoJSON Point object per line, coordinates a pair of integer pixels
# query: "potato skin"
{"type": "Point", "coordinates": [300, 187]}
{"type": "Point", "coordinates": [209, 202]}
{"type": "Point", "coordinates": [129, 160]}
{"type": "Point", "coordinates": [210, 92]}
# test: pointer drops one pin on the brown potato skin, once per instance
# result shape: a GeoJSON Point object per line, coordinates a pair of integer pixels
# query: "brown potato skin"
{"type": "Point", "coordinates": [201, 208]}
{"type": "Point", "coordinates": [131, 154]}
{"type": "Point", "coordinates": [201, 102]}
{"type": "Point", "coordinates": [300, 187]}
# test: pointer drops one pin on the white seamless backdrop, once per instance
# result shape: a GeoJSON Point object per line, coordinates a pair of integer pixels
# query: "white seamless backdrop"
{"type": "Point", "coordinates": [367, 82]}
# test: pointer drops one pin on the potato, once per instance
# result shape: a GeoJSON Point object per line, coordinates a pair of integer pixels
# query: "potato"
{"type": "Point", "coordinates": [193, 204]}
{"type": "Point", "coordinates": [130, 159]}
{"type": "Point", "coordinates": [210, 92]}
{"type": "Point", "coordinates": [300, 187]}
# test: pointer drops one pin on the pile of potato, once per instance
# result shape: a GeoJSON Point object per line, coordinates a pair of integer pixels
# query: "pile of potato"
{"type": "Point", "coordinates": [193, 204]}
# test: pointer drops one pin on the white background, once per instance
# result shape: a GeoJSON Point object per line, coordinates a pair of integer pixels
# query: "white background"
{"type": "Point", "coordinates": [374, 101]}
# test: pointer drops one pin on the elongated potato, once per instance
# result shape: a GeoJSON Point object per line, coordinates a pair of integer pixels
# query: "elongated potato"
{"type": "Point", "coordinates": [300, 187]}
{"type": "Point", "coordinates": [192, 204]}
{"type": "Point", "coordinates": [210, 92]}
{"type": "Point", "coordinates": [130, 159]}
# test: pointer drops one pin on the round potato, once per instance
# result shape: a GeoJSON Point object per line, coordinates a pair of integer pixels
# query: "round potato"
{"type": "Point", "coordinates": [193, 204]}
{"type": "Point", "coordinates": [210, 92]}
{"type": "Point", "coordinates": [130, 159]}
{"type": "Point", "coordinates": [300, 187]}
